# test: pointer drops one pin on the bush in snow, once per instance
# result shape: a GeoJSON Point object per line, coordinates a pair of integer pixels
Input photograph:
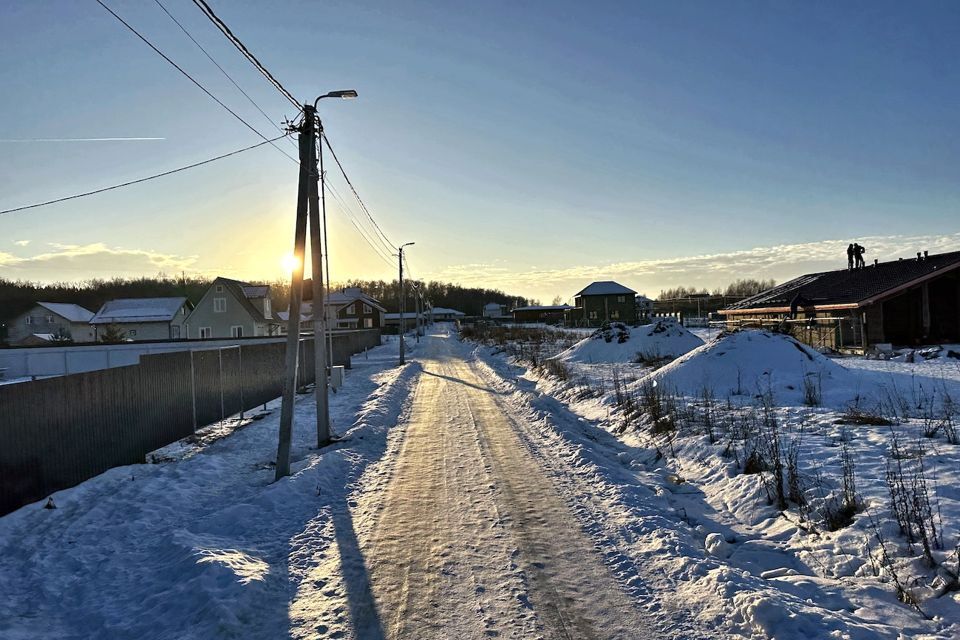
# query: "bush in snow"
{"type": "Point", "coordinates": [910, 499]}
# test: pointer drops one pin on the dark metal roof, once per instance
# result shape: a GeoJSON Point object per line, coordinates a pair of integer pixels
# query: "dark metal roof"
{"type": "Point", "coordinates": [605, 288]}
{"type": "Point", "coordinates": [851, 286]}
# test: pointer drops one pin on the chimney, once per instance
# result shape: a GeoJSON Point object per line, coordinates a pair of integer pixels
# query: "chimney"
{"type": "Point", "coordinates": [918, 256]}
{"type": "Point", "coordinates": [925, 254]}
{"type": "Point", "coordinates": [875, 261]}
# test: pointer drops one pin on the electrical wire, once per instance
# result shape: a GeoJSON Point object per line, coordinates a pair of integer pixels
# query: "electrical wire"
{"type": "Point", "coordinates": [191, 78]}
{"type": "Point", "coordinates": [220, 24]}
{"type": "Point", "coordinates": [222, 70]}
{"type": "Point", "coordinates": [139, 180]}
{"type": "Point", "coordinates": [353, 219]}
{"type": "Point", "coordinates": [357, 195]}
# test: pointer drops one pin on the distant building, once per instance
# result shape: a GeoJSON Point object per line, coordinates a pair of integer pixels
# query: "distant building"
{"type": "Point", "coordinates": [51, 319]}
{"type": "Point", "coordinates": [442, 314]}
{"type": "Point", "coordinates": [644, 308]}
{"type": "Point", "coordinates": [904, 302]}
{"type": "Point", "coordinates": [144, 318]}
{"type": "Point", "coordinates": [496, 311]}
{"type": "Point", "coordinates": [603, 301]}
{"type": "Point", "coordinates": [351, 308]}
{"type": "Point", "coordinates": [548, 314]}
{"type": "Point", "coordinates": [232, 309]}
{"type": "Point", "coordinates": [391, 321]}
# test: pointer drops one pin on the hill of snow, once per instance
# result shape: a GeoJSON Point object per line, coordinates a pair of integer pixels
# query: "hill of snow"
{"type": "Point", "coordinates": [749, 363]}
{"type": "Point", "coordinates": [620, 343]}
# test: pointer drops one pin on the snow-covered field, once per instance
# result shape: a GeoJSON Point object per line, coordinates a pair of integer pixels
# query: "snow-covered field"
{"type": "Point", "coordinates": [476, 496]}
{"type": "Point", "coordinates": [750, 567]}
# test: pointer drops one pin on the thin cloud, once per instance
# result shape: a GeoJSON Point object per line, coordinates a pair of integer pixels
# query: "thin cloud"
{"type": "Point", "coordinates": [21, 243]}
{"type": "Point", "coordinates": [66, 262]}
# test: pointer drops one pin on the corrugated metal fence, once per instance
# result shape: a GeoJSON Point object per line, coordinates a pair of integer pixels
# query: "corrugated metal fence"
{"type": "Point", "coordinates": [57, 432]}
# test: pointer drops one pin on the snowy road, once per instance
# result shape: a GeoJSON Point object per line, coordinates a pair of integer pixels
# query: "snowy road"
{"type": "Point", "coordinates": [472, 539]}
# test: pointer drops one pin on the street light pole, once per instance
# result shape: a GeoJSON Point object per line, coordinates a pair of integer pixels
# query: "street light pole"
{"type": "Point", "coordinates": [307, 207]}
{"type": "Point", "coordinates": [402, 301]}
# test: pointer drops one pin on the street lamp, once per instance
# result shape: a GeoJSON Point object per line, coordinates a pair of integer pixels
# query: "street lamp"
{"type": "Point", "coordinates": [344, 94]}
{"type": "Point", "coordinates": [402, 302]}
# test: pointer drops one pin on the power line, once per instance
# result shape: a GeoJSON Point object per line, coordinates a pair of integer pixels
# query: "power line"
{"type": "Point", "coordinates": [139, 180]}
{"type": "Point", "coordinates": [376, 243]}
{"type": "Point", "coordinates": [191, 78]}
{"type": "Point", "coordinates": [356, 195]}
{"type": "Point", "coordinates": [217, 64]}
{"type": "Point", "coordinates": [207, 11]}
{"type": "Point", "coordinates": [352, 219]}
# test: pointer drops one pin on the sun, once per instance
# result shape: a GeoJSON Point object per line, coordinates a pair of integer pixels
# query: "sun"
{"type": "Point", "coordinates": [290, 263]}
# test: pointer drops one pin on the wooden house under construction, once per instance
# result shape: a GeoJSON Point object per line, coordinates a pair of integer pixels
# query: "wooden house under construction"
{"type": "Point", "coordinates": [904, 302]}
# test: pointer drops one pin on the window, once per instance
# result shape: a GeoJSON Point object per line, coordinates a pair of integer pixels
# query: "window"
{"type": "Point", "coordinates": [219, 305]}
{"type": "Point", "coordinates": [175, 331]}
{"type": "Point", "coordinates": [351, 310]}
{"type": "Point", "coordinates": [29, 320]}
{"type": "Point", "coordinates": [49, 319]}
{"type": "Point", "coordinates": [367, 308]}
{"type": "Point", "coordinates": [621, 298]}
{"type": "Point", "coordinates": [368, 323]}
{"type": "Point", "coordinates": [205, 332]}
{"type": "Point", "coordinates": [132, 333]}
{"type": "Point", "coordinates": [219, 288]}
{"type": "Point", "coordinates": [267, 310]}
{"type": "Point", "coordinates": [615, 314]}
{"type": "Point", "coordinates": [236, 331]}
{"type": "Point", "coordinates": [593, 315]}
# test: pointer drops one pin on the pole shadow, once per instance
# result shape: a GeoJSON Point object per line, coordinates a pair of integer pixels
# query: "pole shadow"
{"type": "Point", "coordinates": [356, 578]}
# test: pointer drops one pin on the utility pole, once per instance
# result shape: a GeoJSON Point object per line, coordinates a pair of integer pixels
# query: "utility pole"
{"type": "Point", "coordinates": [416, 305]}
{"type": "Point", "coordinates": [319, 309]}
{"type": "Point", "coordinates": [306, 132]}
{"type": "Point", "coordinates": [402, 301]}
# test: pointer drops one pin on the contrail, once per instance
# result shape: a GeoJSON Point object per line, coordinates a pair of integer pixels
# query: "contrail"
{"type": "Point", "coordinates": [75, 139]}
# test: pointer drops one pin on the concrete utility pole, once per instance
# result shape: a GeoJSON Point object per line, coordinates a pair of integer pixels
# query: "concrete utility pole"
{"type": "Point", "coordinates": [402, 301]}
{"type": "Point", "coordinates": [319, 309]}
{"type": "Point", "coordinates": [296, 294]}
{"type": "Point", "coordinates": [417, 307]}
{"type": "Point", "coordinates": [307, 198]}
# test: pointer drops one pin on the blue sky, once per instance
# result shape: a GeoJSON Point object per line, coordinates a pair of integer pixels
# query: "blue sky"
{"type": "Point", "coordinates": [530, 146]}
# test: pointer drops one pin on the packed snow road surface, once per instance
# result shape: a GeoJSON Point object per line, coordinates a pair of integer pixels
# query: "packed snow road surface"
{"type": "Point", "coordinates": [472, 539]}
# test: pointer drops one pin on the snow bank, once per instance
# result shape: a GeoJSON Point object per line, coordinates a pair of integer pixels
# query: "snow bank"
{"type": "Point", "coordinates": [620, 343]}
{"type": "Point", "coordinates": [749, 363]}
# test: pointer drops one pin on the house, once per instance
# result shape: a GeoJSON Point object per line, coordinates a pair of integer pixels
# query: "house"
{"type": "Point", "coordinates": [56, 319]}
{"type": "Point", "coordinates": [496, 311]}
{"type": "Point", "coordinates": [391, 321]}
{"type": "Point", "coordinates": [442, 314]}
{"type": "Point", "coordinates": [904, 302]}
{"type": "Point", "coordinates": [644, 308]}
{"type": "Point", "coordinates": [548, 314]}
{"type": "Point", "coordinates": [604, 301]}
{"type": "Point", "coordinates": [140, 319]}
{"type": "Point", "coordinates": [351, 308]}
{"type": "Point", "coordinates": [233, 309]}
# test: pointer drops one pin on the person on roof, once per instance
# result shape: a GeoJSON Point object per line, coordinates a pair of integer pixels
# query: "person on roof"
{"type": "Point", "coordinates": [849, 256]}
{"type": "Point", "coordinates": [859, 251]}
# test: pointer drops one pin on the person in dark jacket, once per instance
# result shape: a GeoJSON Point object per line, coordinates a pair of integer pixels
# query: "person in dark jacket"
{"type": "Point", "coordinates": [849, 256]}
{"type": "Point", "coordinates": [859, 251]}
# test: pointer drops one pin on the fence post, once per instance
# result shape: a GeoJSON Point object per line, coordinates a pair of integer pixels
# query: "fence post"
{"type": "Point", "coordinates": [220, 369]}
{"type": "Point", "coordinates": [240, 357]}
{"type": "Point", "coordinates": [193, 391]}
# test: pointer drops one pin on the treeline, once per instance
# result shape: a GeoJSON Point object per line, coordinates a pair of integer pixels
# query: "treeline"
{"type": "Point", "coordinates": [18, 296]}
{"type": "Point", "coordinates": [470, 300]}
{"type": "Point", "coordinates": [738, 288]}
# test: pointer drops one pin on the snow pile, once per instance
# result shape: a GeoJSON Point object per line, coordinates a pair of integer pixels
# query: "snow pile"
{"type": "Point", "coordinates": [619, 343]}
{"type": "Point", "coordinates": [751, 363]}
